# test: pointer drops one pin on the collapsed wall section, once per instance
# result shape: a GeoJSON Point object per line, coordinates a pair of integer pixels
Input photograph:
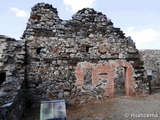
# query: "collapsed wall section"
{"type": "Point", "coordinates": [12, 71]}
{"type": "Point", "coordinates": [56, 47]}
{"type": "Point", "coordinates": [152, 62]}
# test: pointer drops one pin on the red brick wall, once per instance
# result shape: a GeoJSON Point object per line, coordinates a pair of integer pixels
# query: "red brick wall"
{"type": "Point", "coordinates": [106, 71]}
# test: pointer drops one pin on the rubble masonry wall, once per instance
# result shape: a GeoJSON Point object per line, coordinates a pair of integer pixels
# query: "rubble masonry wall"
{"type": "Point", "coordinates": [152, 62]}
{"type": "Point", "coordinates": [12, 75]}
{"type": "Point", "coordinates": [55, 48]}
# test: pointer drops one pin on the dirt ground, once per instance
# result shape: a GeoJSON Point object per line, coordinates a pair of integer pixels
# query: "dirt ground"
{"type": "Point", "coordinates": [86, 111]}
{"type": "Point", "coordinates": [110, 109]}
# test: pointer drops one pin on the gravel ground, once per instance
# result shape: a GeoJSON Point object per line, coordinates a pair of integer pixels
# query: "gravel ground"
{"type": "Point", "coordinates": [119, 108]}
{"type": "Point", "coordinates": [146, 108]}
{"type": "Point", "coordinates": [137, 109]}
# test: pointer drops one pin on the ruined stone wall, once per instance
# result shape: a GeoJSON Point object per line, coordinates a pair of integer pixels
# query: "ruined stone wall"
{"type": "Point", "coordinates": [12, 72]}
{"type": "Point", "coordinates": [59, 51]}
{"type": "Point", "coordinates": [151, 60]}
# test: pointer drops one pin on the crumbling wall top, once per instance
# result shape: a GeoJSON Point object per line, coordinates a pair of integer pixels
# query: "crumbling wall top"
{"type": "Point", "coordinates": [43, 6]}
{"type": "Point", "coordinates": [6, 38]}
{"type": "Point", "coordinates": [45, 17]}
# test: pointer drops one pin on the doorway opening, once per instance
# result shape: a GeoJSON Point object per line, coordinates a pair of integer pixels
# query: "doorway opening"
{"type": "Point", "coordinates": [154, 83]}
{"type": "Point", "coordinates": [119, 81]}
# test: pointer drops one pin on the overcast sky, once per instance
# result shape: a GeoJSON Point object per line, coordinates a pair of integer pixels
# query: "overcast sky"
{"type": "Point", "coordinates": [139, 19]}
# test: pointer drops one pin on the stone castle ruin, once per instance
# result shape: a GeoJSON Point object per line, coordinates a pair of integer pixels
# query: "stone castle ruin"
{"type": "Point", "coordinates": [85, 58]}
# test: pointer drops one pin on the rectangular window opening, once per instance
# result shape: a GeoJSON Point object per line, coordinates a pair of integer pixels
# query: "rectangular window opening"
{"type": "Point", "coordinates": [87, 49]}
{"type": "Point", "coordinates": [2, 77]}
{"type": "Point", "coordinates": [38, 50]}
{"type": "Point", "coordinates": [103, 73]}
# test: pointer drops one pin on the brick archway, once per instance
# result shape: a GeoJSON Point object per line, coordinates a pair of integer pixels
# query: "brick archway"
{"type": "Point", "coordinates": [107, 72]}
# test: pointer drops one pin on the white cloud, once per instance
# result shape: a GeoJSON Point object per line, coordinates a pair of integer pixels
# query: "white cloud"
{"type": "Point", "coordinates": [143, 36]}
{"type": "Point", "coordinates": [79, 4]}
{"type": "Point", "coordinates": [20, 13]}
